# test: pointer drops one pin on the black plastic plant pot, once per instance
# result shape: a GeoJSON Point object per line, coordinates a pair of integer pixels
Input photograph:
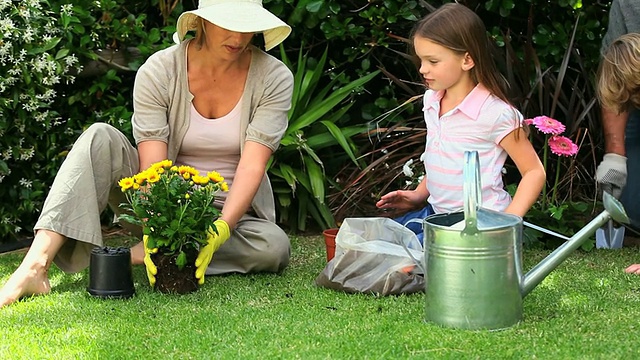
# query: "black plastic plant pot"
{"type": "Point", "coordinates": [110, 273]}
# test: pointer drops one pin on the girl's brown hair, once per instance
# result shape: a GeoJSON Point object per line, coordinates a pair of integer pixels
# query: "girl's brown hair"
{"type": "Point", "coordinates": [459, 29]}
{"type": "Point", "coordinates": [618, 86]}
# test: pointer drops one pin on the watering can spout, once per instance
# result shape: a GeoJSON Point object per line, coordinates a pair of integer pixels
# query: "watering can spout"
{"type": "Point", "coordinates": [613, 210]}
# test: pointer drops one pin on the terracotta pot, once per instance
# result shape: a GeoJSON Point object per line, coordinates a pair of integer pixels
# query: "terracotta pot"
{"type": "Point", "coordinates": [330, 242]}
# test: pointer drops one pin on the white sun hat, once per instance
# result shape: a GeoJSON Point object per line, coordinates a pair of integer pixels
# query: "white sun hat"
{"type": "Point", "coordinates": [247, 16]}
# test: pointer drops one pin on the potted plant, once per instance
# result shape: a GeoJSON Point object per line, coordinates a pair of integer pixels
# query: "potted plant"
{"type": "Point", "coordinates": [173, 205]}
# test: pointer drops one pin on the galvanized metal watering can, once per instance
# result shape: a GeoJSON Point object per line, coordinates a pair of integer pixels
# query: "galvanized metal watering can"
{"type": "Point", "coordinates": [474, 277]}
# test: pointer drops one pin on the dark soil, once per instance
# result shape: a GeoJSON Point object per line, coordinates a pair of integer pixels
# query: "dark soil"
{"type": "Point", "coordinates": [170, 279]}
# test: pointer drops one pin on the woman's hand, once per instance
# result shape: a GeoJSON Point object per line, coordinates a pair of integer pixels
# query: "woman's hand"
{"type": "Point", "coordinates": [152, 270]}
{"type": "Point", "coordinates": [215, 238]}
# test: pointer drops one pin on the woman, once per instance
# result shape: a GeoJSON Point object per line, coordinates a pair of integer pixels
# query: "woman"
{"type": "Point", "coordinates": [619, 96]}
{"type": "Point", "coordinates": [214, 102]}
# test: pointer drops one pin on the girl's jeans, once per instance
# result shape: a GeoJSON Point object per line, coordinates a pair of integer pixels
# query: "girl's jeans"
{"type": "Point", "coordinates": [417, 214]}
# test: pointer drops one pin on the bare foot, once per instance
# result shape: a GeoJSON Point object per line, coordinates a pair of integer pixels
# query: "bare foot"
{"type": "Point", "coordinates": [633, 269]}
{"type": "Point", "coordinates": [26, 280]}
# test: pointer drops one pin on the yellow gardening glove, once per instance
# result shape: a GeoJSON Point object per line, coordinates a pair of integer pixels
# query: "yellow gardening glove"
{"type": "Point", "coordinates": [215, 238]}
{"type": "Point", "coordinates": [152, 270]}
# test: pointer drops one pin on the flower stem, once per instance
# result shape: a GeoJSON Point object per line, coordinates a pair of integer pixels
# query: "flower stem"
{"type": "Point", "coordinates": [544, 164]}
{"type": "Point", "coordinates": [555, 184]}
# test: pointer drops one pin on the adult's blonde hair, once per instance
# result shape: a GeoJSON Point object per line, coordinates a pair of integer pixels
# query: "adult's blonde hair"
{"type": "Point", "coordinates": [618, 86]}
{"type": "Point", "coordinates": [201, 34]}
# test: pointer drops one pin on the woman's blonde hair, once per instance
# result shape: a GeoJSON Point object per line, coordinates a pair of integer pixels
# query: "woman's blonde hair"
{"type": "Point", "coordinates": [618, 85]}
{"type": "Point", "coordinates": [201, 34]}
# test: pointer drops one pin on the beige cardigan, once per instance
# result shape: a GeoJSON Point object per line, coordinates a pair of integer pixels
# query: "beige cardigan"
{"type": "Point", "coordinates": [162, 101]}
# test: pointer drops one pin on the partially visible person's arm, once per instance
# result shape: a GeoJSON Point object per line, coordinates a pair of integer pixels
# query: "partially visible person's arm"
{"type": "Point", "coordinates": [405, 199]}
{"type": "Point", "coordinates": [613, 126]}
{"type": "Point", "coordinates": [150, 130]}
{"type": "Point", "coordinates": [151, 151]}
{"type": "Point", "coordinates": [249, 175]}
{"type": "Point", "coordinates": [246, 182]}
{"type": "Point", "coordinates": [151, 104]}
{"type": "Point", "coordinates": [528, 163]}
{"type": "Point", "coordinates": [611, 173]}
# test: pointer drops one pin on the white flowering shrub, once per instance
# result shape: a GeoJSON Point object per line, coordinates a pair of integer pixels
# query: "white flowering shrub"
{"type": "Point", "coordinates": [413, 172]}
{"type": "Point", "coordinates": [34, 63]}
{"type": "Point", "coordinates": [45, 98]}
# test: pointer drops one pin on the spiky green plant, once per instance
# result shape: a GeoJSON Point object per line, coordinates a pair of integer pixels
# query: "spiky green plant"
{"type": "Point", "coordinates": [320, 101]}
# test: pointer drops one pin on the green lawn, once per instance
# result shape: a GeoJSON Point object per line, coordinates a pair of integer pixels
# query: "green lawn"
{"type": "Point", "coordinates": [588, 308]}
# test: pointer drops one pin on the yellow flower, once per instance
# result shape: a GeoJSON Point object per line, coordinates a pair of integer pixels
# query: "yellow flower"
{"type": "Point", "coordinates": [153, 177]}
{"type": "Point", "coordinates": [180, 192]}
{"type": "Point", "coordinates": [126, 183]}
{"type": "Point", "coordinates": [200, 180]}
{"type": "Point", "coordinates": [140, 177]}
{"type": "Point", "coordinates": [215, 176]}
{"type": "Point", "coordinates": [187, 169]}
{"type": "Point", "coordinates": [161, 166]}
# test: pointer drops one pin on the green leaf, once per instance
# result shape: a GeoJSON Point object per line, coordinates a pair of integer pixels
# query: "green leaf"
{"type": "Point", "coordinates": [303, 179]}
{"type": "Point", "coordinates": [342, 140]}
{"type": "Point", "coordinates": [151, 242]}
{"type": "Point", "coordinates": [316, 178]}
{"type": "Point", "coordinates": [328, 104]}
{"type": "Point", "coordinates": [314, 6]}
{"type": "Point", "coordinates": [289, 176]}
{"type": "Point", "coordinates": [181, 260]}
{"type": "Point", "coordinates": [46, 47]}
{"type": "Point", "coordinates": [284, 199]}
{"type": "Point", "coordinates": [62, 53]}
{"type": "Point", "coordinates": [4, 168]}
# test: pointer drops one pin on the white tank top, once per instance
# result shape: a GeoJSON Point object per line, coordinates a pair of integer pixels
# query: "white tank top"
{"type": "Point", "coordinates": [213, 145]}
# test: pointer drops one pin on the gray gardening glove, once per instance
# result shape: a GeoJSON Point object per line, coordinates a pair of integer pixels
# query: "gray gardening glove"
{"type": "Point", "coordinates": [611, 174]}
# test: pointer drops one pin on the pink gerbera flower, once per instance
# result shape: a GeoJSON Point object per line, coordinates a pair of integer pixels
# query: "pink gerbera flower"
{"type": "Point", "coordinates": [547, 125]}
{"type": "Point", "coordinates": [562, 146]}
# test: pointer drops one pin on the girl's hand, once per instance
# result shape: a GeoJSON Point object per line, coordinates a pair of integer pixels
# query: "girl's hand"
{"type": "Point", "coordinates": [633, 269]}
{"type": "Point", "coordinates": [401, 200]}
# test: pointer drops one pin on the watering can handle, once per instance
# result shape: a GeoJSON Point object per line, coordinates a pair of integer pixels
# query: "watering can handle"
{"type": "Point", "coordinates": [471, 191]}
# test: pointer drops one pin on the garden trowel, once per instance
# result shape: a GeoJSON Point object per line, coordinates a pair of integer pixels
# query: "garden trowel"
{"type": "Point", "coordinates": [609, 237]}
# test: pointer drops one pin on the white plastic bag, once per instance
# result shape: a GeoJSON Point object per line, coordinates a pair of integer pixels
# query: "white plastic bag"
{"type": "Point", "coordinates": [372, 256]}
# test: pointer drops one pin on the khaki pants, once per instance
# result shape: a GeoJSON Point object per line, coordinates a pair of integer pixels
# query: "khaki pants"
{"type": "Point", "coordinates": [87, 183]}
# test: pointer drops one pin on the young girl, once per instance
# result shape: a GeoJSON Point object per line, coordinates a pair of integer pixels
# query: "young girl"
{"type": "Point", "coordinates": [618, 91]}
{"type": "Point", "coordinates": [465, 109]}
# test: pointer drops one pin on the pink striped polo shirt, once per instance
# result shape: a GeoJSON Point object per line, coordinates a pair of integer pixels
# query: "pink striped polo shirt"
{"type": "Point", "coordinates": [478, 123]}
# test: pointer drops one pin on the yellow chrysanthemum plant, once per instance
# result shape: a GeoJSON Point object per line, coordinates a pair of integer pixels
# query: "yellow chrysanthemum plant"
{"type": "Point", "coordinates": [173, 205]}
